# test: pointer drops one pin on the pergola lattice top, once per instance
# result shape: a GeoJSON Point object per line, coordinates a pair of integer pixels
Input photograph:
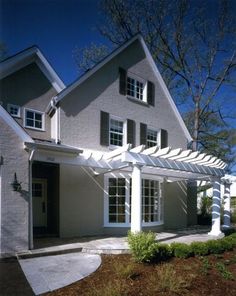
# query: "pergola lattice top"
{"type": "Point", "coordinates": [176, 163]}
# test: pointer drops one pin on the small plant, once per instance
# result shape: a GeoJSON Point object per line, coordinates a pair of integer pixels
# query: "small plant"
{"type": "Point", "coordinates": [114, 288]}
{"type": "Point", "coordinates": [142, 245]}
{"type": "Point", "coordinates": [167, 280]}
{"type": "Point", "coordinates": [199, 248]}
{"type": "Point", "coordinates": [181, 250]}
{"type": "Point", "coordinates": [206, 266]}
{"type": "Point", "coordinates": [223, 271]}
{"type": "Point", "coordinates": [215, 246]}
{"type": "Point", "coordinates": [227, 243]}
{"type": "Point", "coordinates": [125, 271]}
{"type": "Point", "coordinates": [163, 252]}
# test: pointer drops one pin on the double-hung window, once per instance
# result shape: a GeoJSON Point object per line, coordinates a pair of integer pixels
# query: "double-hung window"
{"type": "Point", "coordinates": [116, 132]}
{"type": "Point", "coordinates": [34, 119]}
{"type": "Point", "coordinates": [135, 88]}
{"type": "Point", "coordinates": [151, 138]}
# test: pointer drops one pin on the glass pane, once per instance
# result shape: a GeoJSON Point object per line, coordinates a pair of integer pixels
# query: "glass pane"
{"type": "Point", "coordinates": [112, 209]}
{"type": "Point", "coordinates": [29, 122]}
{"type": "Point", "coordinates": [112, 218]}
{"type": "Point", "coordinates": [29, 114]}
{"type": "Point", "coordinates": [121, 218]}
{"type": "Point", "coordinates": [38, 116]}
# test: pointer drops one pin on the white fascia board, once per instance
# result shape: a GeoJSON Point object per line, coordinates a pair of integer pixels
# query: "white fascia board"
{"type": "Point", "coordinates": [24, 58]}
{"type": "Point", "coordinates": [80, 80]}
{"type": "Point", "coordinates": [165, 89]}
{"type": "Point", "coordinates": [15, 126]}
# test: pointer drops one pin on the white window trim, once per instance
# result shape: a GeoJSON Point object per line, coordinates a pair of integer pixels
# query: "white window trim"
{"type": "Point", "coordinates": [127, 176]}
{"type": "Point", "coordinates": [36, 111]}
{"type": "Point", "coordinates": [144, 82]}
{"type": "Point", "coordinates": [124, 138]}
{"type": "Point", "coordinates": [14, 106]}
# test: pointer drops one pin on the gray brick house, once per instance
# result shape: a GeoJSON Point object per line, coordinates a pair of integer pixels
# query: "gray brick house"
{"type": "Point", "coordinates": [103, 155]}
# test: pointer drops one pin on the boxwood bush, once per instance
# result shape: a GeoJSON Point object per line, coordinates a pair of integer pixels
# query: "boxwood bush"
{"type": "Point", "coordinates": [181, 250]}
{"type": "Point", "coordinates": [199, 248]}
{"type": "Point", "coordinates": [142, 246]}
{"type": "Point", "coordinates": [215, 246]}
{"type": "Point", "coordinates": [163, 252]}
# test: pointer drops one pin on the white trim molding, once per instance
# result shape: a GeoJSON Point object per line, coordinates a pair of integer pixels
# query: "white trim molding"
{"type": "Point", "coordinates": [26, 57]}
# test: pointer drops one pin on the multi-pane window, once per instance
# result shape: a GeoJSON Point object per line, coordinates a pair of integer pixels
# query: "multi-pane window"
{"type": "Point", "coordinates": [150, 200]}
{"type": "Point", "coordinates": [34, 119]}
{"type": "Point", "coordinates": [116, 200]}
{"type": "Point", "coordinates": [135, 88]}
{"type": "Point", "coordinates": [119, 197]}
{"type": "Point", "coordinates": [151, 138]}
{"type": "Point", "coordinates": [14, 110]}
{"type": "Point", "coordinates": [116, 132]}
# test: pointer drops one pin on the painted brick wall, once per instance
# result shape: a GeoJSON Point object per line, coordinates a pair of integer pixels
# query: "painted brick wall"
{"type": "Point", "coordinates": [14, 205]}
{"type": "Point", "coordinates": [80, 110]}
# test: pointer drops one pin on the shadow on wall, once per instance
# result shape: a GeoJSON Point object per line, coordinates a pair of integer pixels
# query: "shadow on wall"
{"type": "Point", "coordinates": [34, 82]}
{"type": "Point", "coordinates": [96, 84]}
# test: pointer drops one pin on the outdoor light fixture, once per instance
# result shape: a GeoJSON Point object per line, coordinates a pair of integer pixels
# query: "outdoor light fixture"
{"type": "Point", "coordinates": [15, 184]}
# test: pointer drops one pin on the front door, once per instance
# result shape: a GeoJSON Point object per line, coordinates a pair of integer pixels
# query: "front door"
{"type": "Point", "coordinates": [39, 196]}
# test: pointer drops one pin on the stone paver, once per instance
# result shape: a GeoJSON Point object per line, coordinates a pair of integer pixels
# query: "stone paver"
{"type": "Point", "coordinates": [48, 273]}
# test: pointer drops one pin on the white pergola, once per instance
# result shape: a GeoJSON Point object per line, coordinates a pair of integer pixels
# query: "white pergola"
{"type": "Point", "coordinates": [172, 164]}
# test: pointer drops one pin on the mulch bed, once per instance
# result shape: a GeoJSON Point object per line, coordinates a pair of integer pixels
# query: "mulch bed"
{"type": "Point", "coordinates": [200, 275]}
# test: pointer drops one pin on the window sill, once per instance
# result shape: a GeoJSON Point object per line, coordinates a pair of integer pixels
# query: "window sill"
{"type": "Point", "coordinates": [34, 129]}
{"type": "Point", "coordinates": [144, 224]}
{"type": "Point", "coordinates": [143, 103]}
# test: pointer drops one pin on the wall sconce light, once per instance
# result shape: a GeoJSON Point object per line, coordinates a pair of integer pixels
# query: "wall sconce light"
{"type": "Point", "coordinates": [15, 184]}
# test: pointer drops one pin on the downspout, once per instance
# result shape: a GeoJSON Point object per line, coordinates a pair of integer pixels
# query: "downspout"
{"type": "Point", "coordinates": [56, 109]}
{"type": "Point", "coordinates": [31, 242]}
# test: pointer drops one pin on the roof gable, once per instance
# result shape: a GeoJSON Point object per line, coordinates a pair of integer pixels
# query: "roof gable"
{"type": "Point", "coordinates": [26, 57]}
{"type": "Point", "coordinates": [15, 126]}
{"type": "Point", "coordinates": [159, 78]}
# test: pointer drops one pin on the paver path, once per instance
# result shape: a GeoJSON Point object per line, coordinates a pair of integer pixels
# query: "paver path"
{"type": "Point", "coordinates": [53, 272]}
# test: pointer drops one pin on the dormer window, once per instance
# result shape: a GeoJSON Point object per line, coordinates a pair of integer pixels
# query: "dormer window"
{"type": "Point", "coordinates": [34, 119]}
{"type": "Point", "coordinates": [14, 110]}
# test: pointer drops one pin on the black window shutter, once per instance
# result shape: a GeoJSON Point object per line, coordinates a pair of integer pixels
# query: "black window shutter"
{"type": "Point", "coordinates": [164, 138]}
{"type": "Point", "coordinates": [131, 132]}
{"type": "Point", "coordinates": [123, 81]}
{"type": "Point", "coordinates": [143, 134]}
{"type": "Point", "coordinates": [150, 93]}
{"type": "Point", "coordinates": [104, 129]}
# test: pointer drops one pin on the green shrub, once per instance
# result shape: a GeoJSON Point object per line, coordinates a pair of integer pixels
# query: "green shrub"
{"type": "Point", "coordinates": [181, 250]}
{"type": "Point", "coordinates": [227, 243]}
{"type": "Point", "coordinates": [142, 246]}
{"type": "Point", "coordinates": [163, 252]}
{"type": "Point", "coordinates": [215, 246]}
{"type": "Point", "coordinates": [199, 248]}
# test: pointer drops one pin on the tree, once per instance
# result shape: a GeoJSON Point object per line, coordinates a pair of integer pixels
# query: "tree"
{"type": "Point", "coordinates": [193, 44]}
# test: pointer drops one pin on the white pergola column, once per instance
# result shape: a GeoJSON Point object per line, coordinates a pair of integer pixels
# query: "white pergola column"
{"type": "Point", "coordinates": [226, 205]}
{"type": "Point", "coordinates": [136, 203]}
{"type": "Point", "coordinates": [216, 203]}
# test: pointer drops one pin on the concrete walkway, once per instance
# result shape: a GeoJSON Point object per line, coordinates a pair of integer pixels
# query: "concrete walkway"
{"type": "Point", "coordinates": [49, 273]}
{"type": "Point", "coordinates": [56, 262]}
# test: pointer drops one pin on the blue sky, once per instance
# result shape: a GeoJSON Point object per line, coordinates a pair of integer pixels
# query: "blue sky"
{"type": "Point", "coordinates": [56, 26]}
